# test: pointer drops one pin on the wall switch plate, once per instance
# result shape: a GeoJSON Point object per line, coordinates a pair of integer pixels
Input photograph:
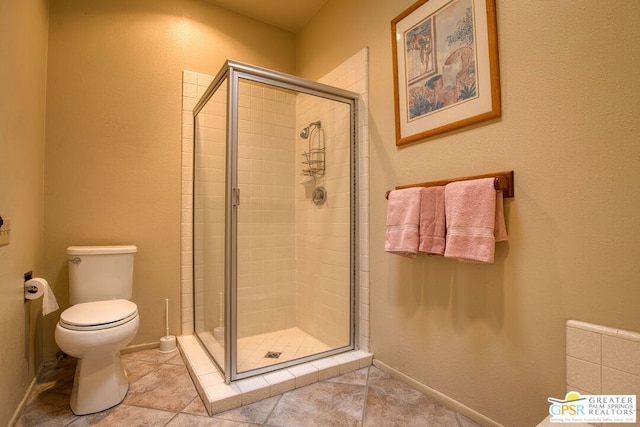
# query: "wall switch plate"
{"type": "Point", "coordinates": [5, 228]}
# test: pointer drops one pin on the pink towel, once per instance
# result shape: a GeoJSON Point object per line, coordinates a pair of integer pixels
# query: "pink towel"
{"type": "Point", "coordinates": [432, 221]}
{"type": "Point", "coordinates": [471, 208]}
{"type": "Point", "coordinates": [500, 231]}
{"type": "Point", "coordinates": [403, 218]}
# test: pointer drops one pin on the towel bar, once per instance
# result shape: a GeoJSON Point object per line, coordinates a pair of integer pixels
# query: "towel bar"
{"type": "Point", "coordinates": [503, 182]}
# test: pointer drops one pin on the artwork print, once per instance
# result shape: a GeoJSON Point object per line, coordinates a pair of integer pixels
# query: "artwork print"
{"type": "Point", "coordinates": [445, 67]}
{"type": "Point", "coordinates": [431, 88]}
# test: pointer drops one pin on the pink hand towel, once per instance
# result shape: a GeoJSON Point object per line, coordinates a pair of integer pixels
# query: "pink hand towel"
{"type": "Point", "coordinates": [432, 221]}
{"type": "Point", "coordinates": [403, 218]}
{"type": "Point", "coordinates": [471, 208]}
{"type": "Point", "coordinates": [500, 231]}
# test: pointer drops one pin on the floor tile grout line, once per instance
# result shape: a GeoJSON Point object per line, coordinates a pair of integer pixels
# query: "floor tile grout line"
{"type": "Point", "coordinates": [171, 419]}
{"type": "Point", "coordinates": [157, 365]}
{"type": "Point", "coordinates": [366, 396]}
{"type": "Point", "coordinates": [266, 420]}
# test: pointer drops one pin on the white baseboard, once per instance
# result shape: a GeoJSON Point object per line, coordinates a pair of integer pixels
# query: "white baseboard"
{"type": "Point", "coordinates": [436, 395]}
{"type": "Point", "coordinates": [23, 403]}
{"type": "Point", "coordinates": [140, 347]}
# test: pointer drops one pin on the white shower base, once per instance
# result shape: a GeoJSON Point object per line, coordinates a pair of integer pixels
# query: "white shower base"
{"type": "Point", "coordinates": [292, 343]}
{"type": "Point", "coordinates": [218, 396]}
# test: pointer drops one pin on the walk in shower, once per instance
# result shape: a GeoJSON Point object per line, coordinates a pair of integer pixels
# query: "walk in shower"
{"type": "Point", "coordinates": [274, 220]}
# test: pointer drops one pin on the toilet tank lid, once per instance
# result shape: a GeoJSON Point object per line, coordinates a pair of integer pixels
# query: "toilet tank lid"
{"type": "Point", "coordinates": [99, 250]}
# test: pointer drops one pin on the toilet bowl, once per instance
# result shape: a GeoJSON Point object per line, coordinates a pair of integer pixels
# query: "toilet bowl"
{"type": "Point", "coordinates": [94, 332]}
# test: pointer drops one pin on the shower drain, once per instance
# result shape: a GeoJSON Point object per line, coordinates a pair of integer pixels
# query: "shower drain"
{"type": "Point", "coordinates": [272, 354]}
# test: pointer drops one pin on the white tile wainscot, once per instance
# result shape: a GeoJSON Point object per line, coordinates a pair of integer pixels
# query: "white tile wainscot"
{"type": "Point", "coordinates": [602, 360]}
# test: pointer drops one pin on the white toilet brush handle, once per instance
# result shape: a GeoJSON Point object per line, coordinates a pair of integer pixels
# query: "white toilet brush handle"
{"type": "Point", "coordinates": [166, 314]}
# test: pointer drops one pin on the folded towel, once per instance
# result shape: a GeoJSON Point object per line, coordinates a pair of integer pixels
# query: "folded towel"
{"type": "Point", "coordinates": [432, 221]}
{"type": "Point", "coordinates": [471, 208]}
{"type": "Point", "coordinates": [403, 218]}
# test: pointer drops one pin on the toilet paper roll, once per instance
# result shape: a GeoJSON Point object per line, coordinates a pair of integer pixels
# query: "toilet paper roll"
{"type": "Point", "coordinates": [39, 287]}
{"type": "Point", "coordinates": [33, 289]}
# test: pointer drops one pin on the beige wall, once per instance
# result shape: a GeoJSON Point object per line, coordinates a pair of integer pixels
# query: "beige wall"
{"type": "Point", "coordinates": [113, 131]}
{"type": "Point", "coordinates": [476, 333]}
{"type": "Point", "coordinates": [492, 336]}
{"type": "Point", "coordinates": [23, 53]}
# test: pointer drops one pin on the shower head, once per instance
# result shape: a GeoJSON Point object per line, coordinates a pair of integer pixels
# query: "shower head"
{"type": "Point", "coordinates": [306, 132]}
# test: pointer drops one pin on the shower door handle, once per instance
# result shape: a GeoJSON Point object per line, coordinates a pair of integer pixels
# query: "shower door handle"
{"type": "Point", "coordinates": [236, 197]}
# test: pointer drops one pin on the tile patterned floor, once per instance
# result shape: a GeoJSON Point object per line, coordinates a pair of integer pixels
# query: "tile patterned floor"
{"type": "Point", "coordinates": [162, 394]}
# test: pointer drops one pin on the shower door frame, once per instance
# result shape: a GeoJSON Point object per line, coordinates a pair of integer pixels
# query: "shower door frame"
{"type": "Point", "coordinates": [233, 71]}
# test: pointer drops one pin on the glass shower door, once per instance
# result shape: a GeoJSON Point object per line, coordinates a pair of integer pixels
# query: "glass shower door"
{"type": "Point", "coordinates": [294, 269]}
{"type": "Point", "coordinates": [209, 222]}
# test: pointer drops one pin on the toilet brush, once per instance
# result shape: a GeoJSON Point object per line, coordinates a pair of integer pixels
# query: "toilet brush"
{"type": "Point", "coordinates": [218, 332]}
{"type": "Point", "coordinates": [168, 342]}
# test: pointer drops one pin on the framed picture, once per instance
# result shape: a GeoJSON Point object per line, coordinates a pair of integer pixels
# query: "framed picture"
{"type": "Point", "coordinates": [445, 67]}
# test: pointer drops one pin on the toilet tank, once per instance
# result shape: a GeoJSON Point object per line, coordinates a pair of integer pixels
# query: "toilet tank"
{"type": "Point", "coordinates": [98, 273]}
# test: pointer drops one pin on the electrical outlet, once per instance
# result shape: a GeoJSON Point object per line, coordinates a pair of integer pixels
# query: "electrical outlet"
{"type": "Point", "coordinates": [5, 228]}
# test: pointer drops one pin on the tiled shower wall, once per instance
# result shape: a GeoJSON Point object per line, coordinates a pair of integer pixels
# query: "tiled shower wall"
{"type": "Point", "coordinates": [322, 231]}
{"type": "Point", "coordinates": [209, 218]}
{"type": "Point", "coordinates": [602, 360]}
{"type": "Point", "coordinates": [266, 227]}
{"type": "Point", "coordinates": [266, 279]}
{"type": "Point", "coordinates": [351, 75]}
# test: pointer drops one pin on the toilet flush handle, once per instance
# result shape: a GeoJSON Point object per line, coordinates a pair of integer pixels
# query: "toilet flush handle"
{"type": "Point", "coordinates": [75, 260]}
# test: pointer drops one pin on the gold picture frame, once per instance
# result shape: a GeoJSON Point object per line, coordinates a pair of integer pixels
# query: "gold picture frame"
{"type": "Point", "coordinates": [445, 67]}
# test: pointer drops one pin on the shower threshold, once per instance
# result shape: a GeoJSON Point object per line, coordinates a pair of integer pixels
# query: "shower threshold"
{"type": "Point", "coordinates": [218, 396]}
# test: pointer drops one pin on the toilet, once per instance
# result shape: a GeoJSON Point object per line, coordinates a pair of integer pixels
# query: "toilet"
{"type": "Point", "coordinates": [100, 322]}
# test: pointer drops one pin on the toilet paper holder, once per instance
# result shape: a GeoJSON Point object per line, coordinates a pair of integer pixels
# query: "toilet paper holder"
{"type": "Point", "coordinates": [28, 289]}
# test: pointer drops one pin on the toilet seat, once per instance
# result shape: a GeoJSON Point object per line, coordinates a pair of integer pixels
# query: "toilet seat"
{"type": "Point", "coordinates": [97, 315]}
